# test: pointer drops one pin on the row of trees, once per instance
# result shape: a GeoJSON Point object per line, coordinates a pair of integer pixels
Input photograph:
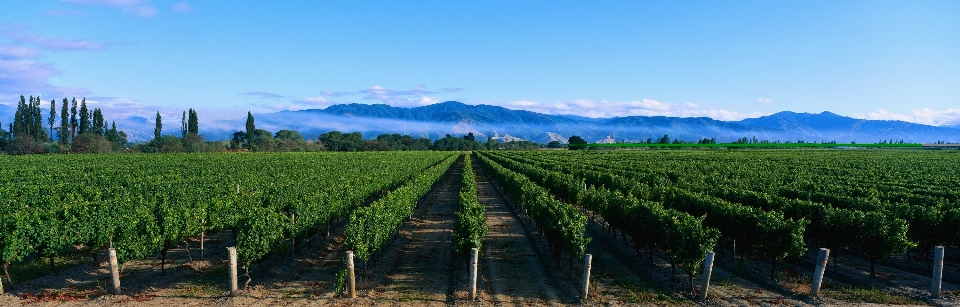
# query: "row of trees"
{"type": "Point", "coordinates": [80, 129]}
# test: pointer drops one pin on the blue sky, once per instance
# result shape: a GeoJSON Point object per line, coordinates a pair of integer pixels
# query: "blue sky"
{"type": "Point", "coordinates": [723, 59]}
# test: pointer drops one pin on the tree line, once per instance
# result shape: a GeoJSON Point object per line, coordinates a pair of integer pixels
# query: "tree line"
{"type": "Point", "coordinates": [81, 129]}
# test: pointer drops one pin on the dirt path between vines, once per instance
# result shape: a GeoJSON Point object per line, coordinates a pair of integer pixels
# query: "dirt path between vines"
{"type": "Point", "coordinates": [416, 268]}
{"type": "Point", "coordinates": [513, 266]}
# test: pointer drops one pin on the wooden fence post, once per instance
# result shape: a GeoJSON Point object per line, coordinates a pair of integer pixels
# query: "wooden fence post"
{"type": "Point", "coordinates": [201, 244]}
{"type": "Point", "coordinates": [707, 272]}
{"type": "Point", "coordinates": [232, 251]}
{"type": "Point", "coordinates": [473, 273]}
{"type": "Point", "coordinates": [818, 272]}
{"type": "Point", "coordinates": [586, 275]}
{"type": "Point", "coordinates": [937, 271]}
{"type": "Point", "coordinates": [114, 271]}
{"type": "Point", "coordinates": [353, 281]}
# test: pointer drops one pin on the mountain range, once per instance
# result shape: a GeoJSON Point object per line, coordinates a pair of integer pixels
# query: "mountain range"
{"type": "Point", "coordinates": [455, 118]}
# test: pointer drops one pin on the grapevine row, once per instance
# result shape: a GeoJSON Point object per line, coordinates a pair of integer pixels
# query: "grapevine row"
{"type": "Point", "coordinates": [471, 225]}
{"type": "Point", "coordinates": [562, 224]}
{"type": "Point", "coordinates": [680, 235]}
{"type": "Point", "coordinates": [371, 228]}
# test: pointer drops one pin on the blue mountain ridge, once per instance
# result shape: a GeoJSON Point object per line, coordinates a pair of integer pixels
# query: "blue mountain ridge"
{"type": "Point", "coordinates": [455, 118]}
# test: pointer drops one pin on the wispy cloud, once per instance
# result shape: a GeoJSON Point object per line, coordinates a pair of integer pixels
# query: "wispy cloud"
{"type": "Point", "coordinates": [276, 102]}
{"type": "Point", "coordinates": [329, 93]}
{"type": "Point", "coordinates": [764, 100]}
{"type": "Point", "coordinates": [22, 74]}
{"type": "Point", "coordinates": [264, 95]}
{"type": "Point", "coordinates": [318, 101]}
{"type": "Point", "coordinates": [182, 7]}
{"type": "Point", "coordinates": [65, 13]}
{"type": "Point", "coordinates": [17, 52]}
{"type": "Point", "coordinates": [118, 108]}
{"type": "Point", "coordinates": [924, 116]}
{"type": "Point", "coordinates": [418, 96]}
{"type": "Point", "coordinates": [645, 107]}
{"type": "Point", "coordinates": [134, 7]}
{"type": "Point", "coordinates": [400, 98]}
{"type": "Point", "coordinates": [22, 36]}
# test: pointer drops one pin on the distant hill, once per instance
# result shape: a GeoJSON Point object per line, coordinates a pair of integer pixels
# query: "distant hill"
{"type": "Point", "coordinates": [455, 118]}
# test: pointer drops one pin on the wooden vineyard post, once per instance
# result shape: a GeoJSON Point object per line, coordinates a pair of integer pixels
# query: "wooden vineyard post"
{"type": "Point", "coordinates": [232, 251]}
{"type": "Point", "coordinates": [937, 271]}
{"type": "Point", "coordinates": [473, 273]}
{"type": "Point", "coordinates": [293, 239]}
{"type": "Point", "coordinates": [201, 245]}
{"type": "Point", "coordinates": [818, 272]}
{"type": "Point", "coordinates": [353, 282]}
{"type": "Point", "coordinates": [114, 271]}
{"type": "Point", "coordinates": [1, 286]}
{"type": "Point", "coordinates": [586, 275]}
{"type": "Point", "coordinates": [238, 188]}
{"type": "Point", "coordinates": [707, 271]}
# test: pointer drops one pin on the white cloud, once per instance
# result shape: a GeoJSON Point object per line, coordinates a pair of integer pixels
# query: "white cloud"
{"type": "Point", "coordinates": [330, 93]}
{"type": "Point", "coordinates": [645, 107]}
{"type": "Point", "coordinates": [134, 7]}
{"type": "Point", "coordinates": [114, 3]}
{"type": "Point", "coordinates": [264, 95]}
{"type": "Point", "coordinates": [20, 35]}
{"type": "Point", "coordinates": [924, 116]}
{"type": "Point", "coordinates": [182, 7]}
{"type": "Point", "coordinates": [22, 74]}
{"type": "Point", "coordinates": [17, 52]}
{"type": "Point", "coordinates": [318, 101]}
{"type": "Point", "coordinates": [65, 13]}
{"type": "Point", "coordinates": [764, 100]}
{"type": "Point", "coordinates": [145, 11]}
{"type": "Point", "coordinates": [399, 98]}
{"type": "Point", "coordinates": [118, 108]}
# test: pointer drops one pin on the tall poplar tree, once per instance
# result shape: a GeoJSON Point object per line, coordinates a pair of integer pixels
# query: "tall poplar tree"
{"type": "Point", "coordinates": [39, 133]}
{"type": "Point", "coordinates": [251, 127]}
{"type": "Point", "coordinates": [73, 118]}
{"type": "Point", "coordinates": [98, 123]}
{"type": "Point", "coordinates": [64, 135]}
{"type": "Point", "coordinates": [18, 127]}
{"type": "Point", "coordinates": [192, 123]}
{"type": "Point", "coordinates": [159, 126]}
{"type": "Point", "coordinates": [84, 117]}
{"type": "Point", "coordinates": [53, 117]}
{"type": "Point", "coordinates": [183, 125]}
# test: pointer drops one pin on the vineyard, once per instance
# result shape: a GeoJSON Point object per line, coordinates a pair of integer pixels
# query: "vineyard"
{"type": "Point", "coordinates": [647, 218]}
